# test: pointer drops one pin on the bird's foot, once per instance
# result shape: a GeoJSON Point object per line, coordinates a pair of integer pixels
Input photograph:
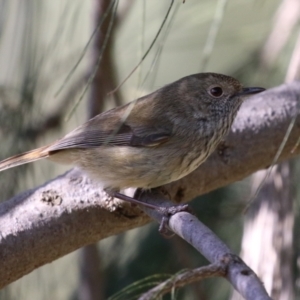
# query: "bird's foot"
{"type": "Point", "coordinates": [167, 212]}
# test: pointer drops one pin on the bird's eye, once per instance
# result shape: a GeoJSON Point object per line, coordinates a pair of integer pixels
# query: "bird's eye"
{"type": "Point", "coordinates": [216, 91]}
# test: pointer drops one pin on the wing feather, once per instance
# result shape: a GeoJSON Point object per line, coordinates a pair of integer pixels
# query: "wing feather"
{"type": "Point", "coordinates": [124, 136]}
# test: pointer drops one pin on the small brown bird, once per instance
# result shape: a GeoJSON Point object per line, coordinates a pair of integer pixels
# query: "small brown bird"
{"type": "Point", "coordinates": [153, 140]}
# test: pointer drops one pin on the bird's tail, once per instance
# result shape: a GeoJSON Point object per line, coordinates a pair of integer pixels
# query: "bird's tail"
{"type": "Point", "coordinates": [24, 158]}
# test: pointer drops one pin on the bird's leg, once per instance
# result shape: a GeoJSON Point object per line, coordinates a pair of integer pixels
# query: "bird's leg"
{"type": "Point", "coordinates": [132, 200]}
{"type": "Point", "coordinates": [166, 212]}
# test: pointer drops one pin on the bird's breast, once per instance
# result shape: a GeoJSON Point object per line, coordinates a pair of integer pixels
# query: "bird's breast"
{"type": "Point", "coordinates": [197, 152]}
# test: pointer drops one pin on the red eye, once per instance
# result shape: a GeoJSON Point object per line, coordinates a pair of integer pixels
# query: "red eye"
{"type": "Point", "coordinates": [216, 91]}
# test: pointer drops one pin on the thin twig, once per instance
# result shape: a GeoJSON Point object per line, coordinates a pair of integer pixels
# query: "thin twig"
{"type": "Point", "coordinates": [275, 160]}
{"type": "Point", "coordinates": [91, 78]}
{"type": "Point", "coordinates": [148, 50]}
{"type": "Point", "coordinates": [155, 62]}
{"type": "Point", "coordinates": [85, 48]}
{"type": "Point", "coordinates": [213, 32]}
{"type": "Point", "coordinates": [183, 279]}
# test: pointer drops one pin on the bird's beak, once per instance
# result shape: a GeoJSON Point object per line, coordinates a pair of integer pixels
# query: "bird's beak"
{"type": "Point", "coordinates": [250, 91]}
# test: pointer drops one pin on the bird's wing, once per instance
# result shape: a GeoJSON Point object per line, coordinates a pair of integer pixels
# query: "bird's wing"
{"type": "Point", "coordinates": [116, 133]}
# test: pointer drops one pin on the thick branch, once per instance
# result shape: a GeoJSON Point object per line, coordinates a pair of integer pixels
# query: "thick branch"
{"type": "Point", "coordinates": [41, 225]}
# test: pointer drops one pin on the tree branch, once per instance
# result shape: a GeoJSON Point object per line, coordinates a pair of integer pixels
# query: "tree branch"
{"type": "Point", "coordinates": [45, 223]}
{"type": "Point", "coordinates": [182, 279]}
{"type": "Point", "coordinates": [229, 265]}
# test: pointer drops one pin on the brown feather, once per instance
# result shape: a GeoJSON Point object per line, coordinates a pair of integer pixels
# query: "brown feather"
{"type": "Point", "coordinates": [24, 158]}
{"type": "Point", "coordinates": [95, 139]}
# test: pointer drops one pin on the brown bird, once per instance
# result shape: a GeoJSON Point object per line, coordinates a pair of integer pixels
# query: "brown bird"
{"type": "Point", "coordinates": [153, 140]}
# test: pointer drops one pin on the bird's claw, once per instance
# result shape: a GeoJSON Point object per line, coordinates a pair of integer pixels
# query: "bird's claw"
{"type": "Point", "coordinates": [167, 213]}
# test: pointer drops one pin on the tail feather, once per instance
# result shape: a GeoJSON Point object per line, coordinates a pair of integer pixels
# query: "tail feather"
{"type": "Point", "coordinates": [24, 158]}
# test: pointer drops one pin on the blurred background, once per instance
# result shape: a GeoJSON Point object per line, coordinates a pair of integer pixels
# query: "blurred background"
{"type": "Point", "coordinates": [59, 61]}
